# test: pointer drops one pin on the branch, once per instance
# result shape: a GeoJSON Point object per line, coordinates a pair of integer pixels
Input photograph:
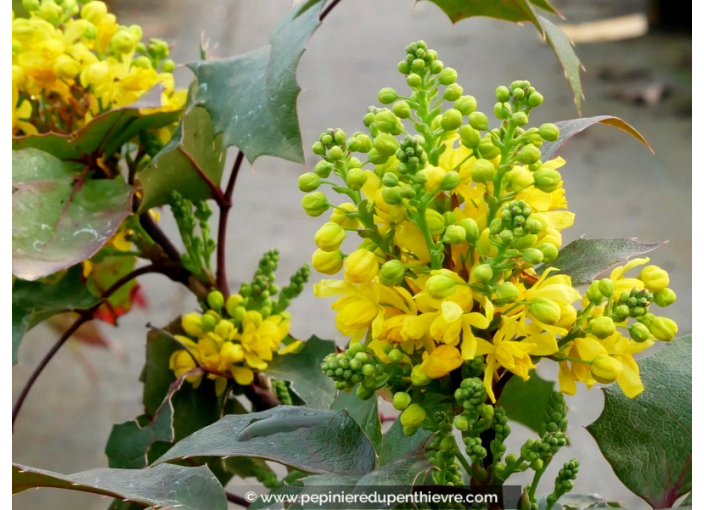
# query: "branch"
{"type": "Point", "coordinates": [327, 10]}
{"type": "Point", "coordinates": [225, 205]}
{"type": "Point", "coordinates": [215, 190]}
{"type": "Point", "coordinates": [151, 228]}
{"type": "Point", "coordinates": [84, 316]}
{"type": "Point", "coordinates": [238, 500]}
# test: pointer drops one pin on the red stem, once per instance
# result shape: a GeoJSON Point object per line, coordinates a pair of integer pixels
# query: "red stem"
{"type": "Point", "coordinates": [215, 190]}
{"type": "Point", "coordinates": [225, 206]}
{"type": "Point", "coordinates": [327, 10]}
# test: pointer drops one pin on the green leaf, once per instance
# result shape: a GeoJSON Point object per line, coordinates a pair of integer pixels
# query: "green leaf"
{"type": "Point", "coordinates": [33, 302]}
{"type": "Point", "coordinates": [252, 97]}
{"type": "Point", "coordinates": [58, 218]}
{"type": "Point", "coordinates": [164, 486]}
{"type": "Point", "coordinates": [506, 10]}
{"type": "Point", "coordinates": [302, 370]}
{"type": "Point", "coordinates": [364, 412]}
{"type": "Point", "coordinates": [396, 444]}
{"type": "Point", "coordinates": [584, 259]}
{"type": "Point", "coordinates": [569, 61]}
{"type": "Point", "coordinates": [193, 155]}
{"type": "Point", "coordinates": [580, 502]}
{"type": "Point", "coordinates": [307, 439]}
{"type": "Point", "coordinates": [525, 401]}
{"type": "Point", "coordinates": [569, 128]}
{"type": "Point", "coordinates": [648, 439]}
{"type": "Point", "coordinates": [687, 502]}
{"type": "Point", "coordinates": [104, 134]}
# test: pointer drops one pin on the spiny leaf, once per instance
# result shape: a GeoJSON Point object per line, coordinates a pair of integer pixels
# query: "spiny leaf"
{"type": "Point", "coordinates": [569, 128]}
{"type": "Point", "coordinates": [364, 412]}
{"type": "Point", "coordinates": [506, 10]}
{"type": "Point", "coordinates": [525, 401]}
{"type": "Point", "coordinates": [569, 61]}
{"type": "Point", "coordinates": [307, 439]}
{"type": "Point", "coordinates": [252, 97]}
{"type": "Point", "coordinates": [582, 260]}
{"type": "Point", "coordinates": [60, 218]}
{"type": "Point", "coordinates": [648, 439]}
{"type": "Point", "coordinates": [163, 486]}
{"type": "Point", "coordinates": [396, 444]}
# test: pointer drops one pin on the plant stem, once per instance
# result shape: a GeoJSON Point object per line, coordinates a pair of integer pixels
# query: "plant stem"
{"type": "Point", "coordinates": [225, 205]}
{"type": "Point", "coordinates": [151, 228]}
{"type": "Point", "coordinates": [327, 10]}
{"type": "Point", "coordinates": [215, 190]}
{"type": "Point", "coordinates": [236, 499]}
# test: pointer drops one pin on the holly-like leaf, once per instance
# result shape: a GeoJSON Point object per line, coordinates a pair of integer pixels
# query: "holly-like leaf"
{"type": "Point", "coordinates": [165, 486]}
{"type": "Point", "coordinates": [311, 440]}
{"type": "Point", "coordinates": [506, 10]}
{"type": "Point", "coordinates": [302, 370]}
{"type": "Point", "coordinates": [648, 439]}
{"type": "Point", "coordinates": [525, 401]}
{"type": "Point", "coordinates": [364, 412]}
{"type": "Point", "coordinates": [396, 444]}
{"type": "Point", "coordinates": [193, 155]}
{"type": "Point", "coordinates": [59, 218]}
{"type": "Point", "coordinates": [33, 302]}
{"type": "Point", "coordinates": [252, 97]}
{"type": "Point", "coordinates": [105, 133]}
{"type": "Point", "coordinates": [582, 260]}
{"type": "Point", "coordinates": [562, 46]}
{"type": "Point", "coordinates": [569, 128]}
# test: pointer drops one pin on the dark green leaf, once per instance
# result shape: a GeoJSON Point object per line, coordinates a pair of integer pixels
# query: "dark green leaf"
{"type": "Point", "coordinates": [58, 219]}
{"type": "Point", "coordinates": [307, 5]}
{"type": "Point", "coordinates": [33, 302]}
{"type": "Point", "coordinates": [307, 439]}
{"type": "Point", "coordinates": [687, 502]}
{"type": "Point", "coordinates": [164, 486]}
{"type": "Point", "coordinates": [569, 61]}
{"type": "Point", "coordinates": [302, 370]}
{"type": "Point", "coordinates": [396, 444]}
{"type": "Point", "coordinates": [569, 128]}
{"type": "Point", "coordinates": [525, 401]}
{"type": "Point", "coordinates": [584, 259]}
{"type": "Point", "coordinates": [580, 502]}
{"type": "Point", "coordinates": [193, 155]}
{"type": "Point", "coordinates": [648, 439]}
{"type": "Point", "coordinates": [252, 97]}
{"type": "Point", "coordinates": [507, 10]}
{"type": "Point", "coordinates": [404, 470]}
{"type": "Point", "coordinates": [364, 412]}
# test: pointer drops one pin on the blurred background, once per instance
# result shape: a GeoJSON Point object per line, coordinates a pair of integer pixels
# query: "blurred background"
{"type": "Point", "coordinates": [638, 67]}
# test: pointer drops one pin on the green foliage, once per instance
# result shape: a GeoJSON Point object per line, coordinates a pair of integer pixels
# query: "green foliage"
{"type": "Point", "coordinates": [648, 440]}
{"type": "Point", "coordinates": [582, 260]}
{"type": "Point", "coordinates": [525, 401]}
{"type": "Point", "coordinates": [60, 218]}
{"type": "Point", "coordinates": [164, 486]}
{"type": "Point", "coordinates": [364, 412]}
{"type": "Point", "coordinates": [34, 302]}
{"type": "Point", "coordinates": [396, 444]}
{"type": "Point", "coordinates": [293, 436]}
{"type": "Point", "coordinates": [252, 97]}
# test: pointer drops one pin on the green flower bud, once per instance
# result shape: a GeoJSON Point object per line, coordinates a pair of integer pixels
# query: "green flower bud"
{"type": "Point", "coordinates": [440, 286]}
{"type": "Point", "coordinates": [526, 241]}
{"type": "Point", "coordinates": [209, 322]}
{"type": "Point", "coordinates": [414, 81]}
{"type": "Point", "coordinates": [360, 143]}
{"type": "Point", "coordinates": [215, 300]}
{"type": "Point", "coordinates": [533, 256]}
{"type": "Point", "coordinates": [470, 137]}
{"type": "Point", "coordinates": [488, 150]}
{"type": "Point", "coordinates": [549, 132]}
{"type": "Point", "coordinates": [318, 148]}
{"type": "Point", "coordinates": [461, 422]}
{"type": "Point", "coordinates": [471, 229]}
{"type": "Point", "coordinates": [483, 171]}
{"type": "Point", "coordinates": [308, 182]}
{"type": "Point", "coordinates": [327, 262]}
{"type": "Point", "coordinates": [408, 192]}
{"type": "Point", "coordinates": [412, 416]}
{"type": "Point", "coordinates": [482, 273]}
{"type": "Point", "coordinates": [329, 237]}
{"type": "Point", "coordinates": [377, 158]}
{"type": "Point", "coordinates": [356, 178]}
{"type": "Point", "coordinates": [507, 292]}
{"type": "Point", "coordinates": [168, 66]}
{"type": "Point", "coordinates": [447, 76]}
{"type": "Point", "coordinates": [466, 104]}
{"type": "Point", "coordinates": [545, 310]}
{"type": "Point", "coordinates": [639, 332]}
{"type": "Point", "coordinates": [389, 180]}
{"type": "Point", "coordinates": [315, 204]}
{"type": "Point", "coordinates": [506, 237]}
{"type": "Point", "coordinates": [336, 153]}
{"type": "Point", "coordinates": [192, 324]}
{"type": "Point", "coordinates": [30, 5]}
{"type": "Point", "coordinates": [392, 196]}
{"type": "Point", "coordinates": [664, 297]}
{"type": "Point", "coordinates": [386, 144]}
{"type": "Point", "coordinates": [547, 180]}
{"type": "Point", "coordinates": [339, 136]}
{"type": "Point", "coordinates": [418, 377]}
{"type": "Point", "coordinates": [387, 122]}
{"type": "Point", "coordinates": [323, 169]}
{"type": "Point", "coordinates": [605, 369]}
{"type": "Point", "coordinates": [401, 400]}
{"type": "Point", "coordinates": [454, 234]}
{"type": "Point", "coordinates": [404, 67]}
{"type": "Point", "coordinates": [478, 121]}
{"type": "Point", "coordinates": [603, 327]}
{"type": "Point", "coordinates": [451, 119]}
{"type": "Point", "coordinates": [453, 92]}
{"type": "Point", "coordinates": [520, 118]}
{"type": "Point", "coordinates": [450, 181]}
{"type": "Point", "coordinates": [392, 273]}
{"type": "Point", "coordinates": [396, 356]}
{"type": "Point", "coordinates": [663, 329]}
{"type": "Point", "coordinates": [535, 99]}
{"type": "Point", "coordinates": [123, 41]}
{"type": "Point", "coordinates": [550, 252]}
{"type": "Point", "coordinates": [593, 294]}
{"type": "Point", "coordinates": [503, 94]}
{"type": "Point", "coordinates": [435, 222]}
{"type": "Point", "coordinates": [387, 95]}
{"type": "Point", "coordinates": [606, 287]}
{"type": "Point", "coordinates": [502, 111]}
{"type": "Point", "coordinates": [654, 278]}
{"type": "Point", "coordinates": [528, 154]}
{"type": "Point", "coordinates": [496, 226]}
{"type": "Point", "coordinates": [401, 109]}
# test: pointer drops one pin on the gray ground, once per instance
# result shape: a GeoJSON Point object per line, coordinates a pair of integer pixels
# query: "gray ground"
{"type": "Point", "coordinates": [616, 187]}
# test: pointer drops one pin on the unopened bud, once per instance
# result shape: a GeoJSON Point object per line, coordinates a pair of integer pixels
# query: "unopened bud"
{"type": "Point", "coordinates": [451, 119]}
{"type": "Point", "coordinates": [605, 369]}
{"type": "Point", "coordinates": [401, 400]}
{"type": "Point", "coordinates": [308, 182]}
{"type": "Point", "coordinates": [664, 297]}
{"type": "Point", "coordinates": [327, 262]}
{"type": "Point", "coordinates": [478, 121]}
{"type": "Point", "coordinates": [392, 273]}
{"type": "Point", "coordinates": [654, 278]}
{"type": "Point", "coordinates": [663, 329]}
{"type": "Point", "coordinates": [547, 180]}
{"type": "Point", "coordinates": [483, 171]}
{"type": "Point", "coordinates": [482, 273]}
{"type": "Point", "coordinates": [549, 132]}
{"type": "Point", "coordinates": [545, 310]}
{"type": "Point", "coordinates": [466, 104]}
{"type": "Point", "coordinates": [387, 95]}
{"type": "Point", "coordinates": [603, 327]}
{"type": "Point", "coordinates": [361, 266]}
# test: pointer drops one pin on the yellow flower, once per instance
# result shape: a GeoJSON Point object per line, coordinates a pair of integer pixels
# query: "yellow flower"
{"type": "Point", "coordinates": [441, 361]}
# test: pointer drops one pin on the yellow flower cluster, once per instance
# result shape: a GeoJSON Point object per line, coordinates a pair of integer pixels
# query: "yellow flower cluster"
{"type": "Point", "coordinates": [453, 224]}
{"type": "Point", "coordinates": [227, 348]}
{"type": "Point", "coordinates": [71, 61]}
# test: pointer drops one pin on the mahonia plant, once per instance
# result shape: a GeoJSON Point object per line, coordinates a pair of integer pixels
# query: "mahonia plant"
{"type": "Point", "coordinates": [451, 291]}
